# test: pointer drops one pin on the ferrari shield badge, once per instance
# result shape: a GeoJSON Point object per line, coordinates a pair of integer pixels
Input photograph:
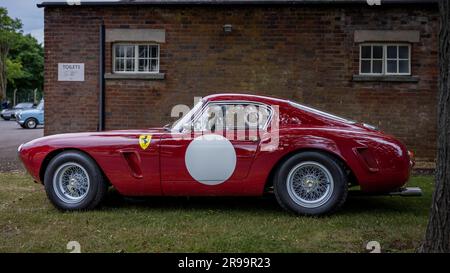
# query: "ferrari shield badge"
{"type": "Point", "coordinates": [144, 141]}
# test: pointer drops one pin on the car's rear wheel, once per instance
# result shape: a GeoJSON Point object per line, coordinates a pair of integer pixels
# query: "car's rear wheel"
{"type": "Point", "coordinates": [5, 118]}
{"type": "Point", "coordinates": [31, 123]}
{"type": "Point", "coordinates": [310, 183]}
{"type": "Point", "coordinates": [73, 181]}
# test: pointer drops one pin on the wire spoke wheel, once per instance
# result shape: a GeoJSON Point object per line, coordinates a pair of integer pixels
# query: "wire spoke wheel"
{"type": "Point", "coordinates": [71, 182]}
{"type": "Point", "coordinates": [310, 184]}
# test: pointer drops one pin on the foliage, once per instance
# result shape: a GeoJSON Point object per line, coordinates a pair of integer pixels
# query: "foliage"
{"type": "Point", "coordinates": [14, 71]}
{"type": "Point", "coordinates": [21, 58]}
{"type": "Point", "coordinates": [30, 54]}
{"type": "Point", "coordinates": [9, 30]}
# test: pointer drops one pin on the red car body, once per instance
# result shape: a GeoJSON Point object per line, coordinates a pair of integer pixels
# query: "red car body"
{"type": "Point", "coordinates": [377, 162]}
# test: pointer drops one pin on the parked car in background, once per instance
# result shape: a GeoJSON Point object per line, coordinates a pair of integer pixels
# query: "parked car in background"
{"type": "Point", "coordinates": [31, 118]}
{"type": "Point", "coordinates": [8, 114]}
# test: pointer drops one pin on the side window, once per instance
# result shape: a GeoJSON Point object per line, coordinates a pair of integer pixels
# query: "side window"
{"type": "Point", "coordinates": [211, 119]}
{"type": "Point", "coordinates": [233, 116]}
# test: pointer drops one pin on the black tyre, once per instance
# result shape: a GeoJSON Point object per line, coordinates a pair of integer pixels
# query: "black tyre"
{"type": "Point", "coordinates": [5, 118]}
{"type": "Point", "coordinates": [31, 123]}
{"type": "Point", "coordinates": [310, 183]}
{"type": "Point", "coordinates": [73, 181]}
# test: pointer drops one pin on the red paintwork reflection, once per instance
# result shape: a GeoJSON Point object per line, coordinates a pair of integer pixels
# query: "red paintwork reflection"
{"type": "Point", "coordinates": [379, 162]}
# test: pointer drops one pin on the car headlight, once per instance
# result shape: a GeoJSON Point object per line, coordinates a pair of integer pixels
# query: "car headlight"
{"type": "Point", "coordinates": [3, 111]}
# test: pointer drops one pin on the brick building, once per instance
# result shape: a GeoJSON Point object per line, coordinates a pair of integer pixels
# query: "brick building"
{"type": "Point", "coordinates": [376, 64]}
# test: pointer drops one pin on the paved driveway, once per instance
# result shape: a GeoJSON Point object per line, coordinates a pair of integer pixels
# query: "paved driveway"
{"type": "Point", "coordinates": [11, 136]}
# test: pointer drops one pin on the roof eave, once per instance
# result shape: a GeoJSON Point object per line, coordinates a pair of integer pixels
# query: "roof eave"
{"type": "Point", "coordinates": [230, 2]}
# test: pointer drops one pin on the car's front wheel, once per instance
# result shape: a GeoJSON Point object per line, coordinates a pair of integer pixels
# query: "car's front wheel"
{"type": "Point", "coordinates": [73, 181]}
{"type": "Point", "coordinates": [31, 123]}
{"type": "Point", "coordinates": [311, 183]}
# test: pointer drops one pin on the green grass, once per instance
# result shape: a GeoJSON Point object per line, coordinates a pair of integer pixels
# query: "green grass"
{"type": "Point", "coordinates": [29, 223]}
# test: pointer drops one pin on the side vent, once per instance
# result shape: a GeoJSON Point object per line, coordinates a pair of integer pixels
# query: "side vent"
{"type": "Point", "coordinates": [364, 154]}
{"type": "Point", "coordinates": [134, 162]}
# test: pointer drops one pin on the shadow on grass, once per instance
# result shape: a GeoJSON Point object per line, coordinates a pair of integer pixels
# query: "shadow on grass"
{"type": "Point", "coordinates": [267, 204]}
{"type": "Point", "coordinates": [386, 205]}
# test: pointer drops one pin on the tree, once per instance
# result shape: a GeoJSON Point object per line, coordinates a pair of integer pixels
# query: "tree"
{"type": "Point", "coordinates": [437, 238]}
{"type": "Point", "coordinates": [8, 32]}
{"type": "Point", "coordinates": [21, 60]}
{"type": "Point", "coordinates": [29, 53]}
{"type": "Point", "coordinates": [14, 72]}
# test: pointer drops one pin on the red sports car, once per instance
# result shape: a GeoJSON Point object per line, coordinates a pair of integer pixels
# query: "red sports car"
{"type": "Point", "coordinates": [226, 145]}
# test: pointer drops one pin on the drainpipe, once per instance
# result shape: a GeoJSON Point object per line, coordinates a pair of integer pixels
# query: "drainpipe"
{"type": "Point", "coordinates": [101, 98]}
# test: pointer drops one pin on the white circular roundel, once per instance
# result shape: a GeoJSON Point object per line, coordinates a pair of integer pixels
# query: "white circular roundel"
{"type": "Point", "coordinates": [210, 159]}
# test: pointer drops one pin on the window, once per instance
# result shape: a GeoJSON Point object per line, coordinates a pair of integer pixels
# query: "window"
{"type": "Point", "coordinates": [141, 58]}
{"type": "Point", "coordinates": [231, 116]}
{"type": "Point", "coordinates": [40, 105]}
{"type": "Point", "coordinates": [385, 59]}
{"type": "Point", "coordinates": [320, 113]}
{"type": "Point", "coordinates": [398, 59]}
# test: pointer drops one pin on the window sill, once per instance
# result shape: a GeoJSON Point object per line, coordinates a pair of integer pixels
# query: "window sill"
{"type": "Point", "coordinates": [385, 78]}
{"type": "Point", "coordinates": [134, 76]}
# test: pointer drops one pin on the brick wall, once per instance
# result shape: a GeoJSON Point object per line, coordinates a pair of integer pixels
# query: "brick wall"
{"type": "Point", "coordinates": [305, 53]}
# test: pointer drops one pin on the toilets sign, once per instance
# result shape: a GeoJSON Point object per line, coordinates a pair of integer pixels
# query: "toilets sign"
{"type": "Point", "coordinates": [71, 72]}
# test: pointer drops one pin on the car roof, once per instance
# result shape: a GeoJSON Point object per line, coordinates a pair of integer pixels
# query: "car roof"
{"type": "Point", "coordinates": [24, 103]}
{"type": "Point", "coordinates": [244, 97]}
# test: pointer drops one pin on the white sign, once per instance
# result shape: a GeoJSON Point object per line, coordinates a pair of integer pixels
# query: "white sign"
{"type": "Point", "coordinates": [71, 72]}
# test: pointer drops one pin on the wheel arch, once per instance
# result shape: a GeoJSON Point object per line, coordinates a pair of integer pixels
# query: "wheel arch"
{"type": "Point", "coordinates": [338, 158]}
{"type": "Point", "coordinates": [56, 152]}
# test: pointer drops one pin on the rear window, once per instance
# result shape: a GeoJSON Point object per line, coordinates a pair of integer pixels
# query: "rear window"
{"type": "Point", "coordinates": [321, 113]}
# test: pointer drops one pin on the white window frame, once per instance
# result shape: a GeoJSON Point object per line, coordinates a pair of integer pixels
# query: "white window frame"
{"type": "Point", "coordinates": [136, 58]}
{"type": "Point", "coordinates": [398, 59]}
{"type": "Point", "coordinates": [385, 59]}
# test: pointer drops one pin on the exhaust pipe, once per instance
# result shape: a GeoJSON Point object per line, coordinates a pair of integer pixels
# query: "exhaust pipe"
{"type": "Point", "coordinates": [408, 192]}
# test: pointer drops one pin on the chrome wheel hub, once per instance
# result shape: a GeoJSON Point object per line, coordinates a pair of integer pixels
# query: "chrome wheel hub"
{"type": "Point", "coordinates": [310, 184]}
{"type": "Point", "coordinates": [71, 182]}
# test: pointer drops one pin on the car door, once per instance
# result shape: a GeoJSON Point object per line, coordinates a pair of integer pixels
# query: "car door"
{"type": "Point", "coordinates": [213, 158]}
